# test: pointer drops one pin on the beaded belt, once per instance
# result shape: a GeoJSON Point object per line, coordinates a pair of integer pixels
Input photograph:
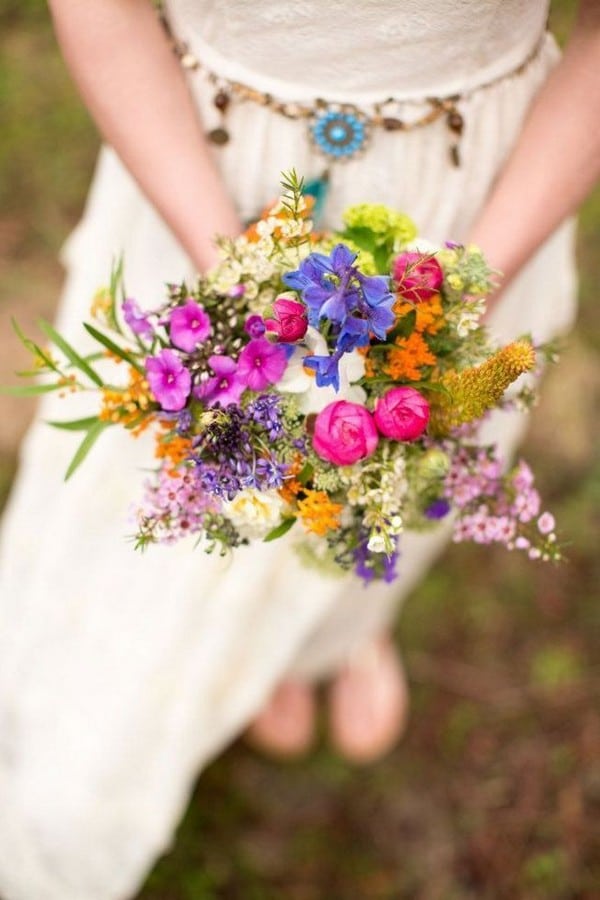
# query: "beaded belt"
{"type": "Point", "coordinates": [339, 131]}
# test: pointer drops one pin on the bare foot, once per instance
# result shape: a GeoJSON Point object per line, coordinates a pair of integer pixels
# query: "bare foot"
{"type": "Point", "coordinates": [285, 727]}
{"type": "Point", "coordinates": [368, 703]}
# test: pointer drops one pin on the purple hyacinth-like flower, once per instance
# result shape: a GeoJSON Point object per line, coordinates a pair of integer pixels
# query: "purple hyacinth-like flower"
{"type": "Point", "coordinates": [170, 382]}
{"type": "Point", "coordinates": [189, 325]}
{"type": "Point", "coordinates": [261, 364]}
{"type": "Point", "coordinates": [270, 473]}
{"type": "Point", "coordinates": [225, 387]}
{"type": "Point", "coordinates": [137, 321]}
{"type": "Point", "coordinates": [266, 412]}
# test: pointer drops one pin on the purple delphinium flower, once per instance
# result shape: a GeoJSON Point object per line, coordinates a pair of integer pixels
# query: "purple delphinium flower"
{"type": "Point", "coordinates": [325, 368]}
{"type": "Point", "coordinates": [169, 380]}
{"type": "Point", "coordinates": [225, 387]}
{"type": "Point", "coordinates": [327, 284]}
{"type": "Point", "coordinates": [189, 325]}
{"type": "Point", "coordinates": [438, 509]}
{"type": "Point", "coordinates": [255, 326]}
{"type": "Point", "coordinates": [261, 364]}
{"type": "Point", "coordinates": [137, 321]}
{"type": "Point", "coordinates": [378, 302]}
{"type": "Point", "coordinates": [333, 288]}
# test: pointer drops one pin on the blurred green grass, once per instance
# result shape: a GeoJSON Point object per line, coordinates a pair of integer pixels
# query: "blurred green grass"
{"type": "Point", "coordinates": [495, 792]}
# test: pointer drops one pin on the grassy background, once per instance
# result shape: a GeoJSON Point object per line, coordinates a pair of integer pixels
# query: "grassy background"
{"type": "Point", "coordinates": [495, 792]}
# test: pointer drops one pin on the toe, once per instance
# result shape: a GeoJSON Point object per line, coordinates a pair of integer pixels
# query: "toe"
{"type": "Point", "coordinates": [368, 703]}
{"type": "Point", "coordinates": [285, 726]}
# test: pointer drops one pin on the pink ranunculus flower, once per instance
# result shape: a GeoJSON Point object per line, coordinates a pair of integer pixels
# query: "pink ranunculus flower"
{"type": "Point", "coordinates": [418, 276]}
{"type": "Point", "coordinates": [402, 414]}
{"type": "Point", "coordinates": [290, 322]}
{"type": "Point", "coordinates": [344, 433]}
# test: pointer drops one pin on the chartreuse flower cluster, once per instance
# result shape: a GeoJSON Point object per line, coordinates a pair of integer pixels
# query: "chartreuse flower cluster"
{"type": "Point", "coordinates": [326, 385]}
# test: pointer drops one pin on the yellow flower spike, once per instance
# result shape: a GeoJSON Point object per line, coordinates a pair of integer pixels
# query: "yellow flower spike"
{"type": "Point", "coordinates": [472, 392]}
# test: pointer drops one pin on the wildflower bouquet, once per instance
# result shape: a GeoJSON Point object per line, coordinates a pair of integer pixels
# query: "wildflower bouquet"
{"type": "Point", "coordinates": [329, 383]}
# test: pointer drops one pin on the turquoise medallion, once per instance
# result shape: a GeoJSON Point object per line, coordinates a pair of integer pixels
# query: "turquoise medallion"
{"type": "Point", "coordinates": [339, 134]}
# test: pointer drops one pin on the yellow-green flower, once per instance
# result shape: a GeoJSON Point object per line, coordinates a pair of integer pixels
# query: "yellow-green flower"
{"type": "Point", "coordinates": [382, 220]}
{"type": "Point", "coordinates": [470, 393]}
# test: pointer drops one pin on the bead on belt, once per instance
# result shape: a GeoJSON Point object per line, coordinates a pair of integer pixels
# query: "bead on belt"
{"type": "Point", "coordinates": [339, 131]}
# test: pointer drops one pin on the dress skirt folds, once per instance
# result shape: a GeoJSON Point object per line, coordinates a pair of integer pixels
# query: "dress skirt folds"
{"type": "Point", "coordinates": [122, 674]}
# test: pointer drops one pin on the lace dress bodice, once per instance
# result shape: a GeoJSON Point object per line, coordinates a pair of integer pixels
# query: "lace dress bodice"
{"type": "Point", "coordinates": [360, 51]}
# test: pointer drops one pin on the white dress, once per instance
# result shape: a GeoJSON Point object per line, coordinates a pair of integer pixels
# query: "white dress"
{"type": "Point", "coordinates": [121, 675]}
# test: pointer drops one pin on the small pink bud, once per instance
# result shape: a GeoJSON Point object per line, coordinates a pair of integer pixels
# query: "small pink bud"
{"type": "Point", "coordinates": [418, 276]}
{"type": "Point", "coordinates": [290, 322]}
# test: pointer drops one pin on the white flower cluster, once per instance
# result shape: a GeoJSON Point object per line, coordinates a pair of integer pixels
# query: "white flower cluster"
{"type": "Point", "coordinates": [251, 265]}
{"type": "Point", "coordinates": [468, 317]}
{"type": "Point", "coordinates": [380, 487]}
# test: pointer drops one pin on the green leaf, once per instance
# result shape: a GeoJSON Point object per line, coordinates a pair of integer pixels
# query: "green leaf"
{"type": "Point", "coordinates": [305, 474]}
{"type": "Point", "coordinates": [32, 347]}
{"type": "Point", "coordinates": [29, 390]}
{"type": "Point", "coordinates": [75, 424]}
{"type": "Point", "coordinates": [362, 237]}
{"type": "Point", "coordinates": [404, 327]}
{"type": "Point", "coordinates": [382, 255]}
{"type": "Point", "coordinates": [74, 358]}
{"type": "Point", "coordinates": [27, 343]}
{"type": "Point", "coordinates": [279, 530]}
{"type": "Point", "coordinates": [86, 445]}
{"type": "Point", "coordinates": [116, 277]}
{"type": "Point", "coordinates": [114, 348]}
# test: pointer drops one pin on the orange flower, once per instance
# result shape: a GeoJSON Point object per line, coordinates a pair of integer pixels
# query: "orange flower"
{"type": "Point", "coordinates": [405, 360]}
{"type": "Point", "coordinates": [291, 486]}
{"type": "Point", "coordinates": [430, 315]}
{"type": "Point", "coordinates": [172, 447]}
{"type": "Point", "coordinates": [319, 514]}
{"type": "Point", "coordinates": [129, 404]}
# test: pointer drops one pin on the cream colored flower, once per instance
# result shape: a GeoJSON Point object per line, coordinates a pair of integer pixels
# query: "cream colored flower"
{"type": "Point", "coordinates": [255, 513]}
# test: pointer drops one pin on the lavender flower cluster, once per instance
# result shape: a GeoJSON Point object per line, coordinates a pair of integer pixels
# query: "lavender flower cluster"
{"type": "Point", "coordinates": [494, 507]}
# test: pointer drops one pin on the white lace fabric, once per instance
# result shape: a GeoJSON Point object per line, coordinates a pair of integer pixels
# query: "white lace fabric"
{"type": "Point", "coordinates": [360, 52]}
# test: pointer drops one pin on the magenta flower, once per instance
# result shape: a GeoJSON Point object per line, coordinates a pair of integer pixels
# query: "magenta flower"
{"type": "Point", "coordinates": [255, 326]}
{"type": "Point", "coordinates": [226, 387]}
{"type": "Point", "coordinates": [291, 320]}
{"type": "Point", "coordinates": [344, 433]}
{"type": "Point", "coordinates": [402, 414]}
{"type": "Point", "coordinates": [136, 319]}
{"type": "Point", "coordinates": [261, 364]}
{"type": "Point", "coordinates": [169, 380]}
{"type": "Point", "coordinates": [189, 325]}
